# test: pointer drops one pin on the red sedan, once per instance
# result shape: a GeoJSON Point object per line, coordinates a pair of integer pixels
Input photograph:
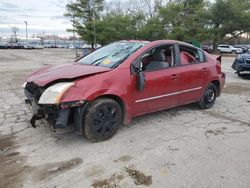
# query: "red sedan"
{"type": "Point", "coordinates": [110, 86]}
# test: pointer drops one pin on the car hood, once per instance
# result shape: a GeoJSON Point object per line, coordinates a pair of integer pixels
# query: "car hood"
{"type": "Point", "coordinates": [68, 71]}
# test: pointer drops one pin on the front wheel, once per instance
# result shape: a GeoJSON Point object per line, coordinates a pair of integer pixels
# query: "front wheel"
{"type": "Point", "coordinates": [234, 52]}
{"type": "Point", "coordinates": [102, 119]}
{"type": "Point", "coordinates": [209, 97]}
{"type": "Point", "coordinates": [239, 74]}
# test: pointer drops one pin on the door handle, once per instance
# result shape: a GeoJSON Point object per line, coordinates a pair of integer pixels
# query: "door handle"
{"type": "Point", "coordinates": [204, 69]}
{"type": "Point", "coordinates": [174, 76]}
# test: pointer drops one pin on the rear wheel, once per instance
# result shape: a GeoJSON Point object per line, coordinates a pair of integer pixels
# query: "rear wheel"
{"type": "Point", "coordinates": [209, 97]}
{"type": "Point", "coordinates": [234, 52]}
{"type": "Point", "coordinates": [102, 119]}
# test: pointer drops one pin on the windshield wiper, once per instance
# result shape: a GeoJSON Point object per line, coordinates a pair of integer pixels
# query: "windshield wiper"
{"type": "Point", "coordinates": [98, 60]}
{"type": "Point", "coordinates": [122, 50]}
{"type": "Point", "coordinates": [123, 59]}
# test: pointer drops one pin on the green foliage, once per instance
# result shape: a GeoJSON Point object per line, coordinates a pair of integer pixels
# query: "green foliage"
{"type": "Point", "coordinates": [228, 17]}
{"type": "Point", "coordinates": [115, 27]}
{"type": "Point", "coordinates": [184, 20]}
{"type": "Point", "coordinates": [83, 15]}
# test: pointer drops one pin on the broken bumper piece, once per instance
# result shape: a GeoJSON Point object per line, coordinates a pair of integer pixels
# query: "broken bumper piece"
{"type": "Point", "coordinates": [58, 115]}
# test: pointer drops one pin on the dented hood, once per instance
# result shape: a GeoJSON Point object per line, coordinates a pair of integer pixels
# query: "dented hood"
{"type": "Point", "coordinates": [69, 71]}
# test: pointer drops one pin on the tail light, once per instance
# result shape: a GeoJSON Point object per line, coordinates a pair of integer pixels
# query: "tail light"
{"type": "Point", "coordinates": [218, 58]}
{"type": "Point", "coordinates": [218, 67]}
{"type": "Point", "coordinates": [218, 64]}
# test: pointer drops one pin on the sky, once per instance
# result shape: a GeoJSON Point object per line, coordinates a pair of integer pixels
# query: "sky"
{"type": "Point", "coordinates": [43, 16]}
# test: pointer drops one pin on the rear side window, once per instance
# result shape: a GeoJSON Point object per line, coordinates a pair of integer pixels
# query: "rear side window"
{"type": "Point", "coordinates": [223, 46]}
{"type": "Point", "coordinates": [189, 55]}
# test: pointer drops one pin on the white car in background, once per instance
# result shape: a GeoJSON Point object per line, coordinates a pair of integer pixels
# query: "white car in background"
{"type": "Point", "coordinates": [224, 48]}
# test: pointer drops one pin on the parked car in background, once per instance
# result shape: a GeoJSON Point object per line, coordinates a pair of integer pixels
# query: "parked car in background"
{"type": "Point", "coordinates": [27, 45]}
{"type": "Point", "coordinates": [243, 47]}
{"type": "Point", "coordinates": [32, 46]}
{"type": "Point", "coordinates": [37, 46]}
{"type": "Point", "coordinates": [207, 48]}
{"type": "Point", "coordinates": [16, 46]}
{"type": "Point", "coordinates": [224, 48]}
{"type": "Point", "coordinates": [242, 63]}
{"type": "Point", "coordinates": [122, 80]}
{"type": "Point", "coordinates": [4, 45]}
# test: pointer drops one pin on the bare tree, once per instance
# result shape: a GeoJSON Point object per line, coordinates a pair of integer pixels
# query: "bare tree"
{"type": "Point", "coordinates": [148, 7]}
{"type": "Point", "coordinates": [15, 29]}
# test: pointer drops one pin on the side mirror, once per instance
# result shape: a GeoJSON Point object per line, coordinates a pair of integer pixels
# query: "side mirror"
{"type": "Point", "coordinates": [140, 80]}
{"type": "Point", "coordinates": [140, 77]}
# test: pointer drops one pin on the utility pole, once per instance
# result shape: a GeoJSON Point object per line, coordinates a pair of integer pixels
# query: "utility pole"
{"type": "Point", "coordinates": [26, 25]}
{"type": "Point", "coordinates": [92, 6]}
{"type": "Point", "coordinates": [55, 40]}
{"type": "Point", "coordinates": [94, 30]}
{"type": "Point", "coordinates": [74, 36]}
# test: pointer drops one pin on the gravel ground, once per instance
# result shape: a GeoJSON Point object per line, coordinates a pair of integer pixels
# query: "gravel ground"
{"type": "Point", "coordinates": [180, 147]}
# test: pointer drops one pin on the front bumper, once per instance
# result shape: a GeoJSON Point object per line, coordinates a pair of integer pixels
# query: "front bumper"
{"type": "Point", "coordinates": [241, 65]}
{"type": "Point", "coordinates": [57, 115]}
{"type": "Point", "coordinates": [49, 112]}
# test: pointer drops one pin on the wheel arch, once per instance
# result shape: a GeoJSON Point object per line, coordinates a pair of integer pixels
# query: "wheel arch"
{"type": "Point", "coordinates": [217, 85]}
{"type": "Point", "coordinates": [120, 101]}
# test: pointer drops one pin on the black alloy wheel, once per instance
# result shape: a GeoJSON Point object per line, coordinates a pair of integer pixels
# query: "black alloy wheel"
{"type": "Point", "coordinates": [103, 118]}
{"type": "Point", "coordinates": [209, 97]}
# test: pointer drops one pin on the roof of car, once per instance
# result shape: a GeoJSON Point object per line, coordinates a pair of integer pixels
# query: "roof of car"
{"type": "Point", "coordinates": [173, 42]}
{"type": "Point", "coordinates": [134, 41]}
{"type": "Point", "coordinates": [156, 42]}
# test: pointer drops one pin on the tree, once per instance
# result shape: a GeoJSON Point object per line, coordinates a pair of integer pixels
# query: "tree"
{"type": "Point", "coordinates": [84, 14]}
{"type": "Point", "coordinates": [15, 29]}
{"type": "Point", "coordinates": [117, 26]}
{"type": "Point", "coordinates": [228, 17]}
{"type": "Point", "coordinates": [183, 20]}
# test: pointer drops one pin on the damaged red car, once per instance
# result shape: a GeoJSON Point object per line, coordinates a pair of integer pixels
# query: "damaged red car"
{"type": "Point", "coordinates": [107, 88]}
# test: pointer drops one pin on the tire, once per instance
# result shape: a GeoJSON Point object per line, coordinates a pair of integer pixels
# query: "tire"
{"type": "Point", "coordinates": [102, 119]}
{"type": "Point", "coordinates": [209, 97]}
{"type": "Point", "coordinates": [239, 70]}
{"type": "Point", "coordinates": [234, 52]}
{"type": "Point", "coordinates": [239, 74]}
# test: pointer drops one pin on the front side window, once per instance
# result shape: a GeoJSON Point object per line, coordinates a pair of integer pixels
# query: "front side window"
{"type": "Point", "coordinates": [158, 58]}
{"type": "Point", "coordinates": [111, 55]}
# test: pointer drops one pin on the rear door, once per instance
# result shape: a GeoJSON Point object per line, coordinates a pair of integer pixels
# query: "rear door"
{"type": "Point", "coordinates": [193, 74]}
{"type": "Point", "coordinates": [225, 48]}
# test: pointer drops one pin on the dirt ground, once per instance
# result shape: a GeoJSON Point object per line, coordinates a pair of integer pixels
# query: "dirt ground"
{"type": "Point", "coordinates": [180, 147]}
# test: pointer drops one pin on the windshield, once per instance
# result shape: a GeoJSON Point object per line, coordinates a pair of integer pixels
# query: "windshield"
{"type": "Point", "coordinates": [111, 55]}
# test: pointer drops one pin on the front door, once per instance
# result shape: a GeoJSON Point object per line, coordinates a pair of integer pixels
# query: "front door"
{"type": "Point", "coordinates": [161, 82]}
